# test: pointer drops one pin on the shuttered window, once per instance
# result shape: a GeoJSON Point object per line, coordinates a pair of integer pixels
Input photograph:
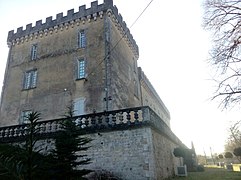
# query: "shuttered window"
{"type": "Point", "coordinates": [30, 79]}
{"type": "Point", "coordinates": [79, 106]}
{"type": "Point", "coordinates": [34, 52]}
{"type": "Point", "coordinates": [82, 39]}
{"type": "Point", "coordinates": [24, 117]}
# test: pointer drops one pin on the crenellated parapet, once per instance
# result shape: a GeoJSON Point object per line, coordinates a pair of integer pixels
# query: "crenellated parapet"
{"type": "Point", "coordinates": [70, 20]}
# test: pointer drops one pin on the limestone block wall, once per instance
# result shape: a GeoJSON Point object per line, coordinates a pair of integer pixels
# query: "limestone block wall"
{"type": "Point", "coordinates": [151, 98]}
{"type": "Point", "coordinates": [165, 162]}
{"type": "Point", "coordinates": [56, 64]}
{"type": "Point", "coordinates": [56, 83]}
{"type": "Point", "coordinates": [139, 154]}
{"type": "Point", "coordinates": [125, 87]}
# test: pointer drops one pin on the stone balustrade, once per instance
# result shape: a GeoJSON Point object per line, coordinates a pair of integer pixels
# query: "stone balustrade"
{"type": "Point", "coordinates": [92, 123]}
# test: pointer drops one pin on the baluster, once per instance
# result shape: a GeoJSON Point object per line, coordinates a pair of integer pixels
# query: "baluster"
{"type": "Point", "coordinates": [50, 126]}
{"type": "Point", "coordinates": [100, 120]}
{"type": "Point", "coordinates": [80, 122]}
{"type": "Point", "coordinates": [120, 117]}
{"type": "Point", "coordinates": [86, 121]}
{"type": "Point", "coordinates": [42, 128]}
{"type": "Point", "coordinates": [93, 120]}
{"type": "Point", "coordinates": [77, 121]}
{"type": "Point", "coordinates": [21, 131]}
{"type": "Point", "coordinates": [61, 125]}
{"type": "Point", "coordinates": [3, 133]}
{"type": "Point", "coordinates": [136, 116]}
{"type": "Point", "coordinates": [17, 131]}
{"type": "Point", "coordinates": [39, 127]}
{"type": "Point", "coordinates": [128, 117]}
{"type": "Point", "coordinates": [11, 132]}
{"type": "Point", "coordinates": [114, 119]}
{"type": "Point", "coordinates": [25, 131]}
{"type": "Point", "coordinates": [55, 126]}
{"type": "Point", "coordinates": [107, 119]}
{"type": "Point", "coordinates": [7, 132]}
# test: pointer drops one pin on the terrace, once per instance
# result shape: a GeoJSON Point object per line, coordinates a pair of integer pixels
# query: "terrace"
{"type": "Point", "coordinates": [122, 119]}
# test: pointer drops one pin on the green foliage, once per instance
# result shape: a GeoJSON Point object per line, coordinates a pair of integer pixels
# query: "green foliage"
{"type": "Point", "coordinates": [220, 156]}
{"type": "Point", "coordinates": [228, 155]}
{"type": "Point", "coordinates": [200, 168]}
{"type": "Point", "coordinates": [32, 130]}
{"type": "Point", "coordinates": [187, 155]}
{"type": "Point", "coordinates": [211, 174]}
{"type": "Point", "coordinates": [67, 143]}
{"type": "Point", "coordinates": [25, 161]}
{"type": "Point", "coordinates": [14, 164]}
{"type": "Point", "coordinates": [11, 164]}
{"type": "Point", "coordinates": [237, 153]}
{"type": "Point", "coordinates": [19, 162]}
{"type": "Point", "coordinates": [179, 152]}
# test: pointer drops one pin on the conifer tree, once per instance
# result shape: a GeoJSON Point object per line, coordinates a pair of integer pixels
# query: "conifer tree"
{"type": "Point", "coordinates": [69, 146]}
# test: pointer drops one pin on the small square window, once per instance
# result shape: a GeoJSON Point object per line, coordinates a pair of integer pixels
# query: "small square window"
{"type": "Point", "coordinates": [30, 79]}
{"type": "Point", "coordinates": [81, 69]}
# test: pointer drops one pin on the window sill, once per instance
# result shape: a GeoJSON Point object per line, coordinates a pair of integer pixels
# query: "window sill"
{"type": "Point", "coordinates": [79, 79]}
{"type": "Point", "coordinates": [28, 89]}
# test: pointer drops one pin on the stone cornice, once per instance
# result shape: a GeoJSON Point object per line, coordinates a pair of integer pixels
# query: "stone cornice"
{"type": "Point", "coordinates": [73, 18]}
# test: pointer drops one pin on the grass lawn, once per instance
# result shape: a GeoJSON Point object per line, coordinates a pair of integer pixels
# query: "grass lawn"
{"type": "Point", "coordinates": [212, 174]}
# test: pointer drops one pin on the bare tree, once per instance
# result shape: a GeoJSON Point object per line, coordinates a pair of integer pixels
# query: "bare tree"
{"type": "Point", "coordinates": [223, 19]}
{"type": "Point", "coordinates": [234, 139]}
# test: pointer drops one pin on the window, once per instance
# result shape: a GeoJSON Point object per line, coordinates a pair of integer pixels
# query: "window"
{"type": "Point", "coordinates": [24, 117]}
{"type": "Point", "coordinates": [79, 106]}
{"type": "Point", "coordinates": [34, 52]}
{"type": "Point", "coordinates": [81, 69]}
{"type": "Point", "coordinates": [30, 79]}
{"type": "Point", "coordinates": [81, 39]}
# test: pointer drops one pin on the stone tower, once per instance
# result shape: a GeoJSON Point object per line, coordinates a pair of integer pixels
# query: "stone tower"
{"type": "Point", "coordinates": [88, 58]}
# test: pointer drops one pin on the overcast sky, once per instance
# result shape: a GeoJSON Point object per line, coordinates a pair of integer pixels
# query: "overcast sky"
{"type": "Point", "coordinates": [173, 54]}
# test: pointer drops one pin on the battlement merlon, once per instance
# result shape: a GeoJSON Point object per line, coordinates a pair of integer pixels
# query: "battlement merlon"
{"type": "Point", "coordinates": [83, 13]}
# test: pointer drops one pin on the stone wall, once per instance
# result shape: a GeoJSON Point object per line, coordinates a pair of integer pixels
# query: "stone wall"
{"type": "Point", "coordinates": [56, 65]}
{"type": "Point", "coordinates": [151, 98]}
{"type": "Point", "coordinates": [132, 154]}
{"type": "Point", "coordinates": [133, 143]}
{"type": "Point", "coordinates": [123, 72]}
{"type": "Point", "coordinates": [57, 83]}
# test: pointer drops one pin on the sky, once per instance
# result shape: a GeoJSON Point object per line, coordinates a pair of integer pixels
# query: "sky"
{"type": "Point", "coordinates": [173, 54]}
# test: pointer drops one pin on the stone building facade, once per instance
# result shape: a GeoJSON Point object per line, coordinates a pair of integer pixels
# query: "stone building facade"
{"type": "Point", "coordinates": [88, 57]}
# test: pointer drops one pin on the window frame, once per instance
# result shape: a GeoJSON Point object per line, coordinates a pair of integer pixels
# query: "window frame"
{"type": "Point", "coordinates": [81, 68]}
{"type": "Point", "coordinates": [23, 117]}
{"type": "Point", "coordinates": [79, 106]}
{"type": "Point", "coordinates": [34, 50]}
{"type": "Point", "coordinates": [82, 39]}
{"type": "Point", "coordinates": [30, 79]}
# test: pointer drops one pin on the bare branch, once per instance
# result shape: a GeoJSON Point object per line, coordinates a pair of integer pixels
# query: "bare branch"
{"type": "Point", "coordinates": [223, 18]}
